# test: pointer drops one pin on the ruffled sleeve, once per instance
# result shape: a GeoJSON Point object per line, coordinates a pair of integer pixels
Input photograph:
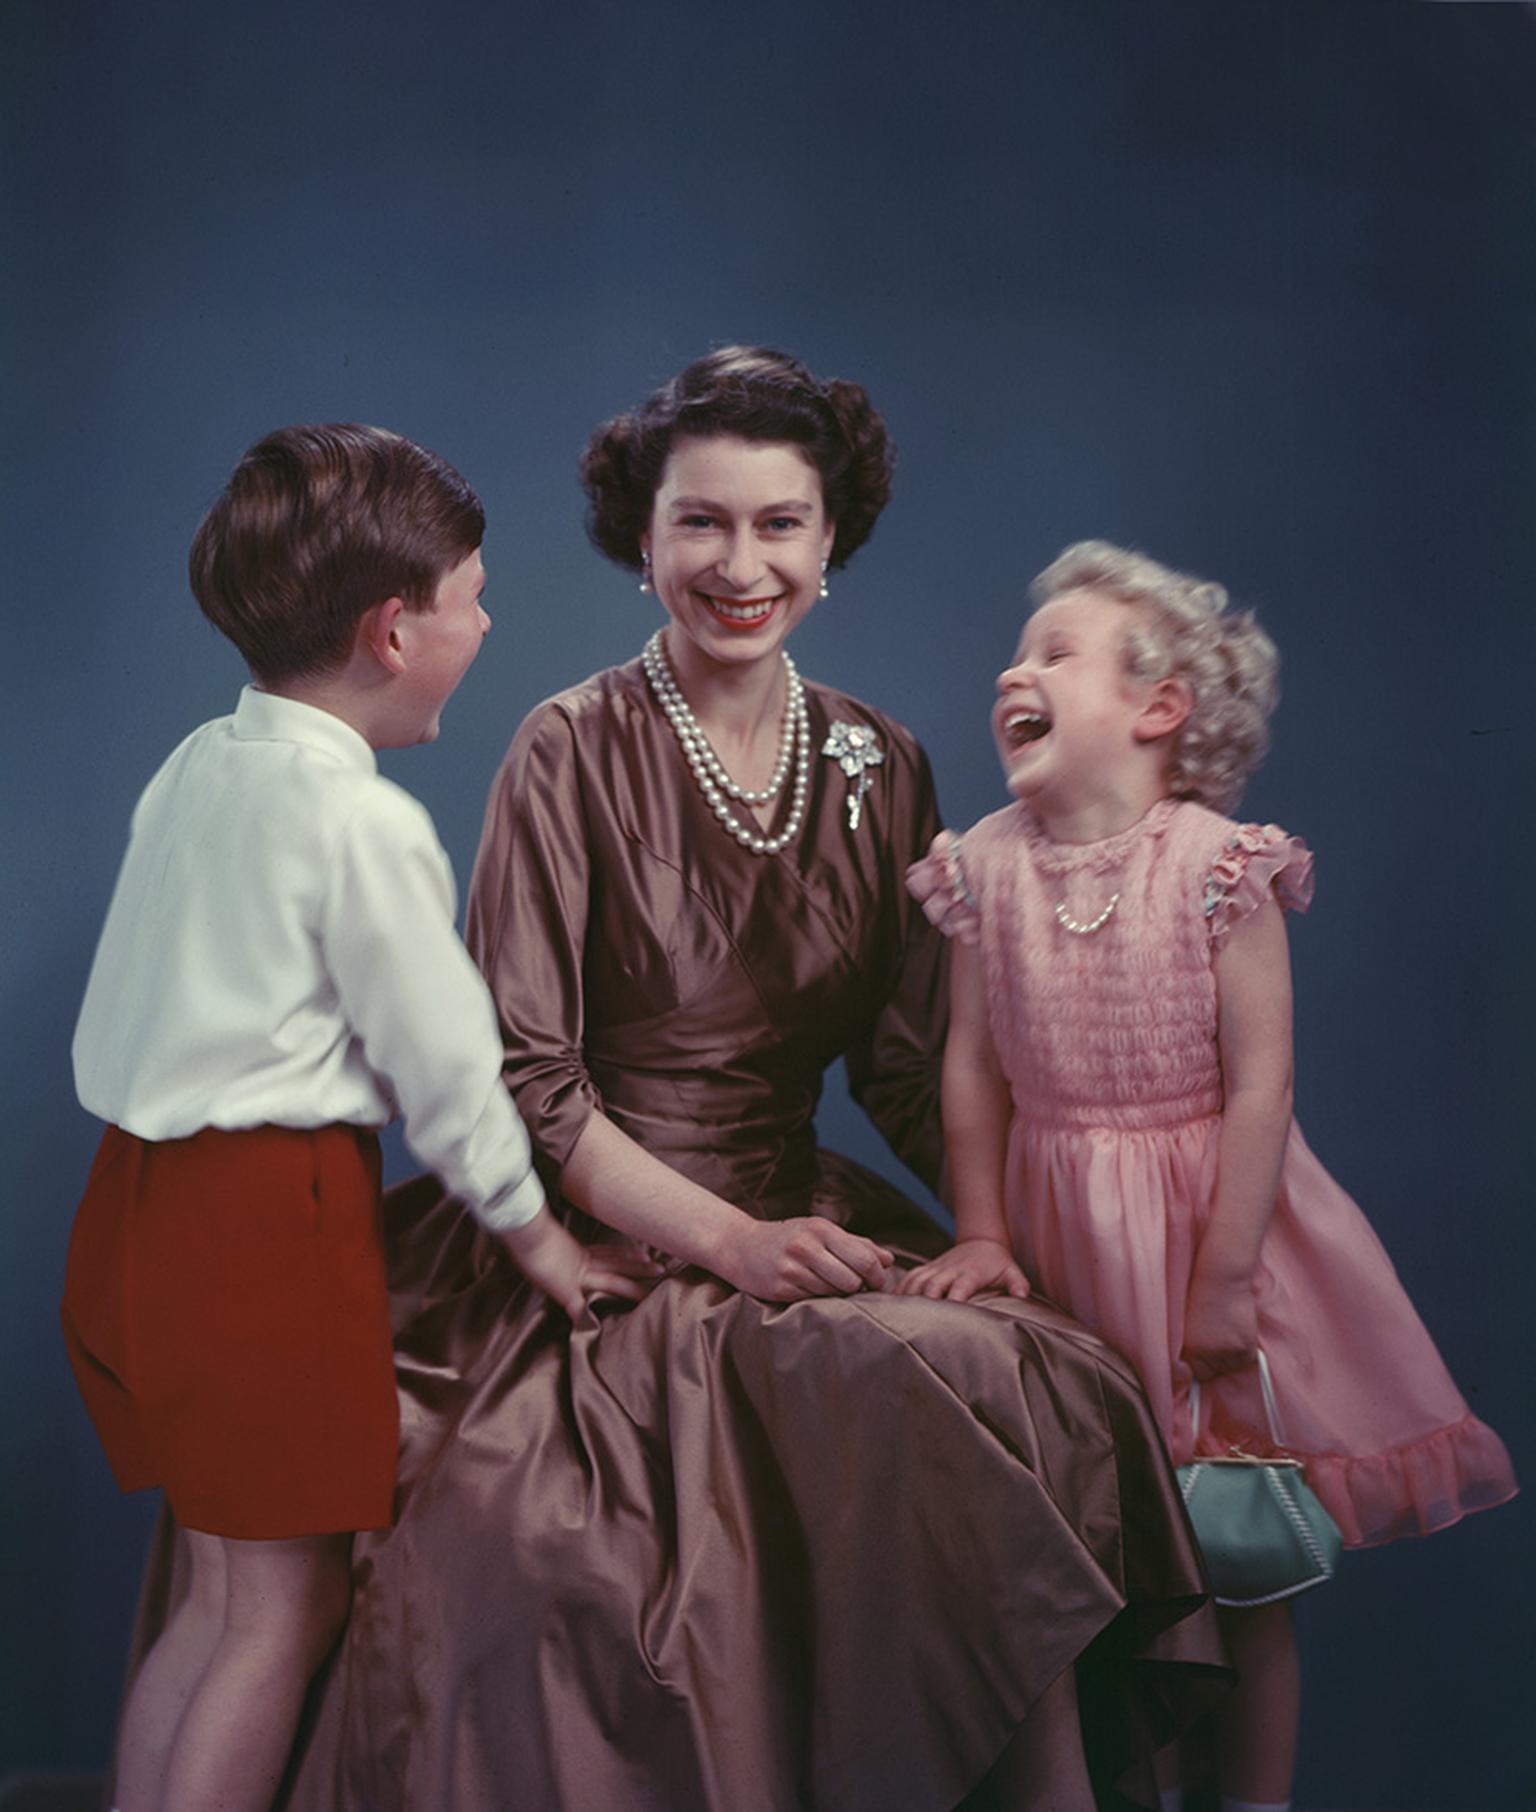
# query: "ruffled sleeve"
{"type": "Point", "coordinates": [939, 883]}
{"type": "Point", "coordinates": [1256, 861]}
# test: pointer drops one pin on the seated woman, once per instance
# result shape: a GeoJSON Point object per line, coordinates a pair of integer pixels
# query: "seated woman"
{"type": "Point", "coordinates": [779, 1536]}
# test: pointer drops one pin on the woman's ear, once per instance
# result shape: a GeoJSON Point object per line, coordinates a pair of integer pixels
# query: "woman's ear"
{"type": "Point", "coordinates": [1168, 704]}
{"type": "Point", "coordinates": [379, 634]}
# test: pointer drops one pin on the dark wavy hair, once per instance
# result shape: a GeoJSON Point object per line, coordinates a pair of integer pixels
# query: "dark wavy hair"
{"type": "Point", "coordinates": [317, 525]}
{"type": "Point", "coordinates": [757, 395]}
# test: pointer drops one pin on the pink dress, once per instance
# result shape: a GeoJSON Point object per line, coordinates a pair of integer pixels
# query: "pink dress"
{"type": "Point", "coordinates": [1109, 1043]}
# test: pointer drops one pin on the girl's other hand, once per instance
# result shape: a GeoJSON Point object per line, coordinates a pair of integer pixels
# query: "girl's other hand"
{"type": "Point", "coordinates": [965, 1270]}
{"type": "Point", "coordinates": [785, 1261]}
{"type": "Point", "coordinates": [939, 886]}
{"type": "Point", "coordinates": [1221, 1328]}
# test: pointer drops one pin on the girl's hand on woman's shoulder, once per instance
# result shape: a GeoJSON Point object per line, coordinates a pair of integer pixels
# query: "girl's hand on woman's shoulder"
{"type": "Point", "coordinates": [967, 1269]}
{"type": "Point", "coordinates": [785, 1261]}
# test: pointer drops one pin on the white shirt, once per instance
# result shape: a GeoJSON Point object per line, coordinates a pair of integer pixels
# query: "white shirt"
{"type": "Point", "coordinates": [280, 951]}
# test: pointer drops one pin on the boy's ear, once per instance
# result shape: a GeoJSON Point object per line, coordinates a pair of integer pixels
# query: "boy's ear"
{"type": "Point", "coordinates": [1168, 704]}
{"type": "Point", "coordinates": [379, 633]}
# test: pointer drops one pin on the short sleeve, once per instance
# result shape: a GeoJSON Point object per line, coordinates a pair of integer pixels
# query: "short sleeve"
{"type": "Point", "coordinates": [526, 926]}
{"type": "Point", "coordinates": [939, 883]}
{"type": "Point", "coordinates": [1256, 861]}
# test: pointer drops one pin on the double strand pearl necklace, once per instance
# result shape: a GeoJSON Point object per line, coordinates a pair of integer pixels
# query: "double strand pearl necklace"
{"type": "Point", "coordinates": [709, 771]}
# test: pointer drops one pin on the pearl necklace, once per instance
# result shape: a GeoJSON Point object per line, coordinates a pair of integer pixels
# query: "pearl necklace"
{"type": "Point", "coordinates": [709, 772]}
{"type": "Point", "coordinates": [1087, 929]}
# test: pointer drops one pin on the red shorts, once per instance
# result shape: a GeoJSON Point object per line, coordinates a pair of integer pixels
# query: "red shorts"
{"type": "Point", "coordinates": [226, 1318]}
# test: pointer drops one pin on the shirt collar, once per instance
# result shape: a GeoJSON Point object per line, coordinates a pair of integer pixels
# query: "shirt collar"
{"type": "Point", "coordinates": [266, 717]}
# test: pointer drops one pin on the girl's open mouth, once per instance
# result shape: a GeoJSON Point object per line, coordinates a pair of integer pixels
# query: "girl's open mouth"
{"type": "Point", "coordinates": [1023, 727]}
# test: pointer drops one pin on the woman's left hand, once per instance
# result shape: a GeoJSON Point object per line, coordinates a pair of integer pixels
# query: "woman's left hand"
{"type": "Point", "coordinates": [1221, 1328]}
{"type": "Point", "coordinates": [965, 1270]}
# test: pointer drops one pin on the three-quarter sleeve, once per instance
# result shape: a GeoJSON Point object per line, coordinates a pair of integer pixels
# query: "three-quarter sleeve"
{"type": "Point", "coordinates": [527, 924]}
{"type": "Point", "coordinates": [894, 1067]}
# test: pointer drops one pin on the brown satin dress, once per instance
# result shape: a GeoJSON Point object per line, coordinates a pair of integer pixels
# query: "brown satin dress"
{"type": "Point", "coordinates": [710, 1554]}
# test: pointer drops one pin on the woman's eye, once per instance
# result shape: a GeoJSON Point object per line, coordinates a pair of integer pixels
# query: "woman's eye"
{"type": "Point", "coordinates": [698, 522]}
{"type": "Point", "coordinates": [782, 525]}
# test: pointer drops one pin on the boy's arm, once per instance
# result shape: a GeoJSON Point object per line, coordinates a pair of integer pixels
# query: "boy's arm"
{"type": "Point", "coordinates": [420, 1011]}
{"type": "Point", "coordinates": [422, 1014]}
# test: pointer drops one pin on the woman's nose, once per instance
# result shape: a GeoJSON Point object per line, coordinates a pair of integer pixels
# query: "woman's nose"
{"type": "Point", "coordinates": [741, 562]}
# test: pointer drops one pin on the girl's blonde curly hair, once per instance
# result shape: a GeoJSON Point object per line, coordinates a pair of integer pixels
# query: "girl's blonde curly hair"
{"type": "Point", "coordinates": [1182, 629]}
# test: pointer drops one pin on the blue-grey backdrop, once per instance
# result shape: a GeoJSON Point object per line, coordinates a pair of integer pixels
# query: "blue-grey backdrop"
{"type": "Point", "coordinates": [1249, 286]}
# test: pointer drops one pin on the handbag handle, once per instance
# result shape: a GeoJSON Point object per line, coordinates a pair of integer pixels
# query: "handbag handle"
{"type": "Point", "coordinates": [1271, 1410]}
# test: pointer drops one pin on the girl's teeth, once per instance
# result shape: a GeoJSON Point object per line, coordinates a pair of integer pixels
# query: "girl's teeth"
{"type": "Point", "coordinates": [1026, 726]}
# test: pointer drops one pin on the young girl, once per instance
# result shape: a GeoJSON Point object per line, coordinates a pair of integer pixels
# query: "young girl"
{"type": "Point", "coordinates": [1117, 1089]}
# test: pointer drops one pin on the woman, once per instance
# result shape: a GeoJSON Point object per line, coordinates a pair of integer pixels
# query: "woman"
{"type": "Point", "coordinates": [778, 1536]}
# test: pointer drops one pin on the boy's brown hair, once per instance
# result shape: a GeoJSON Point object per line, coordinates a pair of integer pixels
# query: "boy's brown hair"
{"type": "Point", "coordinates": [317, 525]}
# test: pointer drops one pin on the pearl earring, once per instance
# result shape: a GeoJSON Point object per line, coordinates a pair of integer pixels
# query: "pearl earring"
{"type": "Point", "coordinates": [645, 563]}
{"type": "Point", "coordinates": [823, 592]}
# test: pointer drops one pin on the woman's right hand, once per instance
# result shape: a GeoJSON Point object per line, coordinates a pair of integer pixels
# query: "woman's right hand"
{"type": "Point", "coordinates": [786, 1261]}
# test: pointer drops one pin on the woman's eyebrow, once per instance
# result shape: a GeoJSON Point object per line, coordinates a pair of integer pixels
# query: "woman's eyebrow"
{"type": "Point", "coordinates": [800, 504]}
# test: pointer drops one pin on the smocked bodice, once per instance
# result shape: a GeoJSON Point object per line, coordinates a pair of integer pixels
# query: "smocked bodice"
{"type": "Point", "coordinates": [1114, 1027]}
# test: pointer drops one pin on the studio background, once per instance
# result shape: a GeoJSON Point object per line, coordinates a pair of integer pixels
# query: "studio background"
{"type": "Point", "coordinates": [1249, 286]}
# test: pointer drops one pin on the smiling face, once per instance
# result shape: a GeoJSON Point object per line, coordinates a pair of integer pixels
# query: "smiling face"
{"type": "Point", "coordinates": [1070, 723]}
{"type": "Point", "coordinates": [737, 538]}
{"type": "Point", "coordinates": [440, 642]}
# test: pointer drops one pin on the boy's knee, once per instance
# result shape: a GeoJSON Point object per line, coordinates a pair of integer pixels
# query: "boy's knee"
{"type": "Point", "coordinates": [325, 1608]}
{"type": "Point", "coordinates": [303, 1610]}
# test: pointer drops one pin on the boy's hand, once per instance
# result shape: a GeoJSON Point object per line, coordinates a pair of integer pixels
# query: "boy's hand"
{"type": "Point", "coordinates": [568, 1272]}
{"type": "Point", "coordinates": [965, 1270]}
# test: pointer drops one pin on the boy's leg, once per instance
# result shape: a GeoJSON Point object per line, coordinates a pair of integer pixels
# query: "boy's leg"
{"type": "Point", "coordinates": [168, 1677]}
{"type": "Point", "coordinates": [286, 1604]}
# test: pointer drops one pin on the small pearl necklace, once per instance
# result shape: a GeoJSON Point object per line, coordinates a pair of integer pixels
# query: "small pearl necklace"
{"type": "Point", "coordinates": [708, 769]}
{"type": "Point", "coordinates": [1086, 929]}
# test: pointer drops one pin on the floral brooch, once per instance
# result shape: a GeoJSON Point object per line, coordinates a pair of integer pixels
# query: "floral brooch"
{"type": "Point", "coordinates": [856, 749]}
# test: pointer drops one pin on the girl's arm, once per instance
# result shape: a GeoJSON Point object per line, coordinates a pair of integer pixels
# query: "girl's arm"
{"type": "Point", "coordinates": [977, 1110]}
{"type": "Point", "coordinates": [1253, 983]}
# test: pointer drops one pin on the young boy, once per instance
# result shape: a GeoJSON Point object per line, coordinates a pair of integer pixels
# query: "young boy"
{"type": "Point", "coordinates": [278, 975]}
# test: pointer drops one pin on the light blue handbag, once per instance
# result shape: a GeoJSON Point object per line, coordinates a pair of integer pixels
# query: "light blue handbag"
{"type": "Point", "coordinates": [1261, 1529]}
